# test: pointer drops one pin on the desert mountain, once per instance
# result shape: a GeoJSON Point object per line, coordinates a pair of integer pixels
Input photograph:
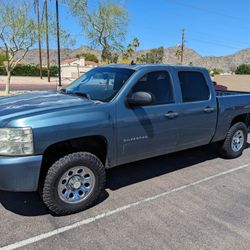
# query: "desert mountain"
{"type": "Point", "coordinates": [228, 63]}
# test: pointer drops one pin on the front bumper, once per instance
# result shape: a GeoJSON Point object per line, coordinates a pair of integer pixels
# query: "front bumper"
{"type": "Point", "coordinates": [20, 174]}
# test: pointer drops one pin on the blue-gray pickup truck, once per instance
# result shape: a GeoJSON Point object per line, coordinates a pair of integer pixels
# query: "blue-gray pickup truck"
{"type": "Point", "coordinates": [61, 143]}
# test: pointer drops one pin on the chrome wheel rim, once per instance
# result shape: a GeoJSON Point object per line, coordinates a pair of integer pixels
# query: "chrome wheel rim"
{"type": "Point", "coordinates": [237, 141]}
{"type": "Point", "coordinates": [76, 184]}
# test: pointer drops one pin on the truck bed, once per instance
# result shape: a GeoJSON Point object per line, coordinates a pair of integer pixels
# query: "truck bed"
{"type": "Point", "coordinates": [229, 93]}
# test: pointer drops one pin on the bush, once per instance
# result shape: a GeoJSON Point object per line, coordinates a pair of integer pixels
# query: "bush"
{"type": "Point", "coordinates": [216, 71]}
{"type": "Point", "coordinates": [243, 69]}
{"type": "Point", "coordinates": [30, 70]}
{"type": "Point", "coordinates": [2, 58]}
{"type": "Point", "coordinates": [88, 57]}
{"type": "Point", "coordinates": [153, 56]}
{"type": "Point", "coordinates": [2, 71]}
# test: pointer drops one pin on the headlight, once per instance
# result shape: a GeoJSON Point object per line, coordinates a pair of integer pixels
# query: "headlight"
{"type": "Point", "coordinates": [16, 141]}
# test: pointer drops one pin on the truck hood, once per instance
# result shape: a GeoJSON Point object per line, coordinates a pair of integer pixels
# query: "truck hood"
{"type": "Point", "coordinates": [38, 102]}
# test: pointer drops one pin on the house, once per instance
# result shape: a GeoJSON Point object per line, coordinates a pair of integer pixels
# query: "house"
{"type": "Point", "coordinates": [74, 67]}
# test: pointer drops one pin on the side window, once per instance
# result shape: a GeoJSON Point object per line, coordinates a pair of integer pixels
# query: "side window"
{"type": "Point", "coordinates": [193, 86]}
{"type": "Point", "coordinates": [158, 84]}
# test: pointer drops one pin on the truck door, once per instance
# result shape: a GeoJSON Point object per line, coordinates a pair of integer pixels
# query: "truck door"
{"type": "Point", "coordinates": [147, 131]}
{"type": "Point", "coordinates": [197, 111]}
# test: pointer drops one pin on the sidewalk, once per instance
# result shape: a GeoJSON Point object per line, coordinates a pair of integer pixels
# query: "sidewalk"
{"type": "Point", "coordinates": [33, 81]}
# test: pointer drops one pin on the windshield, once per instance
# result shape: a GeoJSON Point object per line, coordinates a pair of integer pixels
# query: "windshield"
{"type": "Point", "coordinates": [100, 83]}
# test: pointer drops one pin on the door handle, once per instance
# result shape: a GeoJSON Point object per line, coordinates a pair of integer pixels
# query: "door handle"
{"type": "Point", "coordinates": [171, 115]}
{"type": "Point", "coordinates": [208, 110]}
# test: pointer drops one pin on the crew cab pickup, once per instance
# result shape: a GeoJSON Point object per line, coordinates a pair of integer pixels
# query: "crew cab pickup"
{"type": "Point", "coordinates": [62, 142]}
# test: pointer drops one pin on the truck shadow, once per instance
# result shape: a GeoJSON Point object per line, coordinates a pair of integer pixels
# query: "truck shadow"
{"type": "Point", "coordinates": [129, 174]}
{"type": "Point", "coordinates": [30, 204]}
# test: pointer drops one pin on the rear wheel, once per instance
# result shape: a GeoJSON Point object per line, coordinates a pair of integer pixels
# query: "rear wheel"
{"type": "Point", "coordinates": [73, 183]}
{"type": "Point", "coordinates": [235, 142]}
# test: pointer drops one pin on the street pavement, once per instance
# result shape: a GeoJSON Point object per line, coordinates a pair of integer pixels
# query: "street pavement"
{"type": "Point", "coordinates": [187, 200]}
{"type": "Point", "coordinates": [26, 83]}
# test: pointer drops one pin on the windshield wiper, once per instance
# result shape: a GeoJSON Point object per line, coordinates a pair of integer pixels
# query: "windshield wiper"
{"type": "Point", "coordinates": [81, 94]}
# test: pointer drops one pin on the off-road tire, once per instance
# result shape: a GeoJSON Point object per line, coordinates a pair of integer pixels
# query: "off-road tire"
{"type": "Point", "coordinates": [49, 191]}
{"type": "Point", "coordinates": [225, 148]}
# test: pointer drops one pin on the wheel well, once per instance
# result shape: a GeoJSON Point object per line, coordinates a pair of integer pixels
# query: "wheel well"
{"type": "Point", "coordinates": [96, 145]}
{"type": "Point", "coordinates": [241, 118]}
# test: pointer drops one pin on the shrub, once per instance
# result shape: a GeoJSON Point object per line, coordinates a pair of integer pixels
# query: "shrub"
{"type": "Point", "coordinates": [243, 69]}
{"type": "Point", "coordinates": [216, 71]}
{"type": "Point", "coordinates": [2, 58]}
{"type": "Point", "coordinates": [88, 57]}
{"type": "Point", "coordinates": [30, 70]}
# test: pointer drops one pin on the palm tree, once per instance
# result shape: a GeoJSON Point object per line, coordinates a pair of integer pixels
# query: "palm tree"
{"type": "Point", "coordinates": [58, 45]}
{"type": "Point", "coordinates": [136, 43]}
{"type": "Point", "coordinates": [45, 11]}
{"type": "Point", "coordinates": [37, 9]}
{"type": "Point", "coordinates": [178, 53]}
{"type": "Point", "coordinates": [131, 48]}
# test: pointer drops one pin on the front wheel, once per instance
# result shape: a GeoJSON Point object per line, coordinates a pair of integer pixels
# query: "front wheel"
{"type": "Point", "coordinates": [235, 142]}
{"type": "Point", "coordinates": [73, 183]}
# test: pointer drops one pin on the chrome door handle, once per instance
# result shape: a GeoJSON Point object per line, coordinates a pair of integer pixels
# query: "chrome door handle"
{"type": "Point", "coordinates": [208, 110]}
{"type": "Point", "coordinates": [171, 115]}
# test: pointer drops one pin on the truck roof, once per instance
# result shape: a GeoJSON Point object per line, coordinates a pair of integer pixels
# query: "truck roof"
{"type": "Point", "coordinates": [141, 66]}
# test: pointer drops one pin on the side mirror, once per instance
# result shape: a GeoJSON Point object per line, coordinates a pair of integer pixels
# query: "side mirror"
{"type": "Point", "coordinates": [140, 99]}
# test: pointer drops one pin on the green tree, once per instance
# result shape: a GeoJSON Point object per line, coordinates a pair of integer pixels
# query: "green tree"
{"type": "Point", "coordinates": [88, 57]}
{"type": "Point", "coordinates": [155, 55]}
{"type": "Point", "coordinates": [114, 57]}
{"type": "Point", "coordinates": [243, 69]}
{"type": "Point", "coordinates": [131, 48]}
{"type": "Point", "coordinates": [18, 33]}
{"type": "Point", "coordinates": [178, 53]}
{"type": "Point", "coordinates": [105, 27]}
{"type": "Point", "coordinates": [141, 59]}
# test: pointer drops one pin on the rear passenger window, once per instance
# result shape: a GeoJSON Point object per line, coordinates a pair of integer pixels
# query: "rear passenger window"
{"type": "Point", "coordinates": [158, 84]}
{"type": "Point", "coordinates": [193, 86]}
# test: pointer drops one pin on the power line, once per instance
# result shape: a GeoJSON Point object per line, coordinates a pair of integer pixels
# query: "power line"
{"type": "Point", "coordinates": [232, 42]}
{"type": "Point", "coordinates": [210, 11]}
{"type": "Point", "coordinates": [214, 43]}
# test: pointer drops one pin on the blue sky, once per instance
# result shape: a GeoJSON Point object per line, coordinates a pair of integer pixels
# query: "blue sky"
{"type": "Point", "coordinates": [215, 27]}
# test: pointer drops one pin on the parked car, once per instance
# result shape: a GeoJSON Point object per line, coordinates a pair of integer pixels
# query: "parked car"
{"type": "Point", "coordinates": [62, 142]}
{"type": "Point", "coordinates": [219, 87]}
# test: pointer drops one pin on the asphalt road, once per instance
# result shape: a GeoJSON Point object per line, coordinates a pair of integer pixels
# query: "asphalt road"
{"type": "Point", "coordinates": [187, 200]}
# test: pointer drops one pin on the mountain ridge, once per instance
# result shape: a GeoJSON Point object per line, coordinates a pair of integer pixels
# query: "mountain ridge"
{"type": "Point", "coordinates": [227, 63]}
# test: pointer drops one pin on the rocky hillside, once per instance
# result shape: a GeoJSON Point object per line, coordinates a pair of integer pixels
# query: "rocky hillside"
{"type": "Point", "coordinates": [228, 63]}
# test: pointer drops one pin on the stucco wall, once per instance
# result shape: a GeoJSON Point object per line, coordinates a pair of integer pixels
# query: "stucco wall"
{"type": "Point", "coordinates": [234, 82]}
{"type": "Point", "coordinates": [73, 71]}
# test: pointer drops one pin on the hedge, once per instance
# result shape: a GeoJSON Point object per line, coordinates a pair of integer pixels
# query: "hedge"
{"type": "Point", "coordinates": [30, 70]}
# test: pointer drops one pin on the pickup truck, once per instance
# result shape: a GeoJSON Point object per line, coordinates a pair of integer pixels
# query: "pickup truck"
{"type": "Point", "coordinates": [60, 143]}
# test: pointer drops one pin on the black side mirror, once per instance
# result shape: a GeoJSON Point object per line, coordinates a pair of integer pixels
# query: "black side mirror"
{"type": "Point", "coordinates": [140, 99]}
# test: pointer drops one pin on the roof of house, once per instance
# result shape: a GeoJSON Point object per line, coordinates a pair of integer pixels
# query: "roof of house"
{"type": "Point", "coordinates": [90, 63]}
{"type": "Point", "coordinates": [69, 60]}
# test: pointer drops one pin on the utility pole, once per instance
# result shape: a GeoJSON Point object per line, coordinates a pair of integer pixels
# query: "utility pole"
{"type": "Point", "coordinates": [39, 39]}
{"type": "Point", "coordinates": [58, 45]}
{"type": "Point", "coordinates": [182, 45]}
{"type": "Point", "coordinates": [47, 38]}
